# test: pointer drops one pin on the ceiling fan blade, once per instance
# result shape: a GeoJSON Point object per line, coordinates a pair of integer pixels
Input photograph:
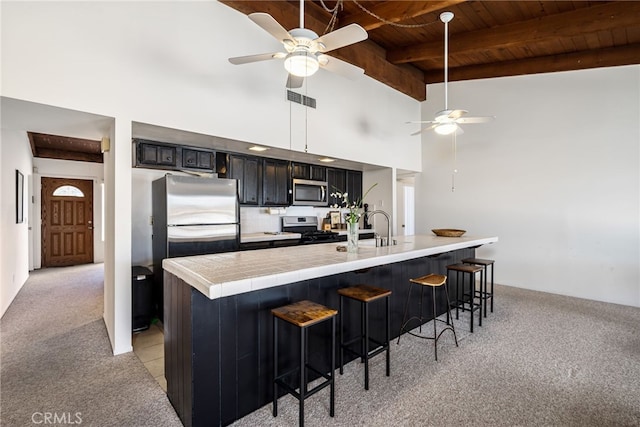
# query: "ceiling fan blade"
{"type": "Point", "coordinates": [271, 26]}
{"type": "Point", "coordinates": [456, 114]}
{"type": "Point", "coordinates": [422, 121]}
{"type": "Point", "coordinates": [423, 130]}
{"type": "Point", "coordinates": [294, 81]}
{"type": "Point", "coordinates": [339, 66]}
{"type": "Point", "coordinates": [352, 33]}
{"type": "Point", "coordinates": [255, 58]}
{"type": "Point", "coordinates": [477, 119]}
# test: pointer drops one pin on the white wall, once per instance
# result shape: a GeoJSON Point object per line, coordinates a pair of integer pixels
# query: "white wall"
{"type": "Point", "coordinates": [14, 260]}
{"type": "Point", "coordinates": [555, 176]}
{"type": "Point", "coordinates": [165, 63]}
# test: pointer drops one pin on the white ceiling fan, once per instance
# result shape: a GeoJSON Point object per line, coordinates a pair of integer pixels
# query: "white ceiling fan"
{"type": "Point", "coordinates": [305, 51]}
{"type": "Point", "coordinates": [447, 121]}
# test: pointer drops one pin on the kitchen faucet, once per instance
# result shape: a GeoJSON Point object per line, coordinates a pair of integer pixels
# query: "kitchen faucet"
{"type": "Point", "coordinates": [369, 214]}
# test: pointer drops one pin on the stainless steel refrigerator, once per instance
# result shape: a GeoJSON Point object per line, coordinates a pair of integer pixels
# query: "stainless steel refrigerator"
{"type": "Point", "coordinates": [192, 216]}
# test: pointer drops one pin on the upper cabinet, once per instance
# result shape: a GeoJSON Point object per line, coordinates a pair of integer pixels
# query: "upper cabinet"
{"type": "Point", "coordinates": [246, 171]}
{"type": "Point", "coordinates": [354, 185]}
{"type": "Point", "coordinates": [160, 155]}
{"type": "Point", "coordinates": [307, 171]}
{"type": "Point", "coordinates": [275, 182]}
{"type": "Point", "coordinates": [337, 182]}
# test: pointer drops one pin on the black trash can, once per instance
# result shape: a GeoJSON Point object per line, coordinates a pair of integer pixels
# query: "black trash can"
{"type": "Point", "coordinates": [141, 298]}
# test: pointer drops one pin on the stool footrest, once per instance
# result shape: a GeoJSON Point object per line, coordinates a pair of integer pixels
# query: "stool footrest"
{"type": "Point", "coordinates": [289, 389]}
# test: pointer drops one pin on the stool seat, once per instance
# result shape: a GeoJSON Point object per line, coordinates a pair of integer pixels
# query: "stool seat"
{"type": "Point", "coordinates": [304, 313]}
{"type": "Point", "coordinates": [430, 280]}
{"type": "Point", "coordinates": [465, 268]}
{"type": "Point", "coordinates": [364, 293]}
{"type": "Point", "coordinates": [479, 261]}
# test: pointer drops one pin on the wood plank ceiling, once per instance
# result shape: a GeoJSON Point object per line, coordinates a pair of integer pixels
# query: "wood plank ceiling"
{"type": "Point", "coordinates": [65, 148]}
{"type": "Point", "coordinates": [405, 48]}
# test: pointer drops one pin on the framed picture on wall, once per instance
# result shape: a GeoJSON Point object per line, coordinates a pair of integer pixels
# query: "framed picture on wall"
{"type": "Point", "coordinates": [19, 197]}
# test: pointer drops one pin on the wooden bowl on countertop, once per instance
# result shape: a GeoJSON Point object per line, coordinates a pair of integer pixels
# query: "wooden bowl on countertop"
{"type": "Point", "coordinates": [448, 232]}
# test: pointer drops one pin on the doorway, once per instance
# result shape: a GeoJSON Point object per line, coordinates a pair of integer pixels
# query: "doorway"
{"type": "Point", "coordinates": [67, 222]}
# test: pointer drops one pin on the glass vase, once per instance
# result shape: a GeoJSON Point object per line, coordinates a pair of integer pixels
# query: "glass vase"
{"type": "Point", "coordinates": [352, 237]}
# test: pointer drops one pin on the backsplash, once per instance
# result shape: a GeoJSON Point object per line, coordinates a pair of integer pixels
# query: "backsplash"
{"type": "Point", "coordinates": [258, 220]}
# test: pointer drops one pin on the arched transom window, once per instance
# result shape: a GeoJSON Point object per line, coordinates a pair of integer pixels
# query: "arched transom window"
{"type": "Point", "coordinates": [68, 191]}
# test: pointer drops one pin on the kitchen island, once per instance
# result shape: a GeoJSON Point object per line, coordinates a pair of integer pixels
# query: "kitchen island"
{"type": "Point", "coordinates": [217, 312]}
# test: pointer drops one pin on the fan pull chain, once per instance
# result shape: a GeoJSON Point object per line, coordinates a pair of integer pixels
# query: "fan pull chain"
{"type": "Point", "coordinates": [455, 162]}
{"type": "Point", "coordinates": [306, 109]}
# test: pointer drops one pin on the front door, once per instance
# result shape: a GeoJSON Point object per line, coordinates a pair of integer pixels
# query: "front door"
{"type": "Point", "coordinates": [67, 222]}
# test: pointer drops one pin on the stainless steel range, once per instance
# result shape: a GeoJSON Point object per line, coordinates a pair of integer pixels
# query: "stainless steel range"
{"type": "Point", "coordinates": [308, 227]}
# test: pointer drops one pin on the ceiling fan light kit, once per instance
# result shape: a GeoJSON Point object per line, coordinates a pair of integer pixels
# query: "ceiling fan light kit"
{"type": "Point", "coordinates": [301, 63]}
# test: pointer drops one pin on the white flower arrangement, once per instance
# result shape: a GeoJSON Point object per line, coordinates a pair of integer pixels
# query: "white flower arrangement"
{"type": "Point", "coordinates": [354, 214]}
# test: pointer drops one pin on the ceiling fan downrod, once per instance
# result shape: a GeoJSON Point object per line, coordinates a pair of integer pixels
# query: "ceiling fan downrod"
{"type": "Point", "coordinates": [446, 17]}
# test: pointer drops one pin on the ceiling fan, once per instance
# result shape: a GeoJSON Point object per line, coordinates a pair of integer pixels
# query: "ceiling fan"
{"type": "Point", "coordinates": [447, 121]}
{"type": "Point", "coordinates": [305, 52]}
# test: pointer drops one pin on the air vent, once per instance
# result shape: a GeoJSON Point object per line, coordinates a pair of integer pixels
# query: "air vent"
{"type": "Point", "coordinates": [301, 99]}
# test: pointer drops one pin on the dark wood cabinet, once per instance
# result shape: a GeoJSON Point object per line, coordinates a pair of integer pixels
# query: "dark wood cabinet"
{"type": "Point", "coordinates": [337, 181]}
{"type": "Point", "coordinates": [354, 185]}
{"type": "Point", "coordinates": [246, 171]}
{"type": "Point", "coordinates": [307, 171]}
{"type": "Point", "coordinates": [197, 159]}
{"type": "Point", "coordinates": [151, 154]}
{"type": "Point", "coordinates": [160, 155]}
{"type": "Point", "coordinates": [275, 182]}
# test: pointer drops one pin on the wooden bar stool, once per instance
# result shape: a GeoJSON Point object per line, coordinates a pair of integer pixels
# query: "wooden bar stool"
{"type": "Point", "coordinates": [484, 294]}
{"type": "Point", "coordinates": [433, 281]}
{"type": "Point", "coordinates": [467, 270]}
{"type": "Point", "coordinates": [304, 314]}
{"type": "Point", "coordinates": [364, 294]}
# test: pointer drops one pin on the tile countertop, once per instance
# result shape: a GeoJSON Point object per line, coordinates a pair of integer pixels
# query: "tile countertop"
{"type": "Point", "coordinates": [266, 237]}
{"type": "Point", "coordinates": [231, 273]}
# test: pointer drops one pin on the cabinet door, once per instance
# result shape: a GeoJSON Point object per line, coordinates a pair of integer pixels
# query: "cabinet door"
{"type": "Point", "coordinates": [318, 173]}
{"type": "Point", "coordinates": [337, 180]}
{"type": "Point", "coordinates": [236, 171]}
{"type": "Point", "coordinates": [354, 185]}
{"type": "Point", "coordinates": [275, 183]}
{"type": "Point", "coordinates": [153, 154]}
{"type": "Point", "coordinates": [300, 170]}
{"type": "Point", "coordinates": [196, 159]}
{"type": "Point", "coordinates": [251, 183]}
{"type": "Point", "coordinates": [167, 156]}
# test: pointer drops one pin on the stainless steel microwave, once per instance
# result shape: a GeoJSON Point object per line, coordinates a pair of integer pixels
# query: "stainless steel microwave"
{"type": "Point", "coordinates": [310, 193]}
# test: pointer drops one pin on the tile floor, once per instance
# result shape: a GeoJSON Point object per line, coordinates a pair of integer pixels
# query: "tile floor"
{"type": "Point", "coordinates": [148, 345]}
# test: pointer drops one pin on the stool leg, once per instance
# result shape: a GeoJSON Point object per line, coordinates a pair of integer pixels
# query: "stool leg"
{"type": "Point", "coordinates": [492, 268]}
{"type": "Point", "coordinates": [275, 366]}
{"type": "Point", "coordinates": [484, 293]}
{"type": "Point", "coordinates": [363, 321]}
{"type": "Point", "coordinates": [473, 275]}
{"type": "Point", "coordinates": [435, 333]}
{"type": "Point", "coordinates": [453, 328]}
{"type": "Point", "coordinates": [303, 370]}
{"type": "Point", "coordinates": [386, 336]}
{"type": "Point", "coordinates": [421, 295]}
{"type": "Point", "coordinates": [341, 335]}
{"type": "Point", "coordinates": [365, 344]}
{"type": "Point", "coordinates": [404, 317]}
{"type": "Point", "coordinates": [332, 391]}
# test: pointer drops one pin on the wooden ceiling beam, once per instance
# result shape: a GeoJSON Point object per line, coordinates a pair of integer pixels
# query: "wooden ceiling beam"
{"type": "Point", "coordinates": [625, 55]}
{"type": "Point", "coordinates": [601, 17]}
{"type": "Point", "coordinates": [48, 153]}
{"type": "Point", "coordinates": [394, 11]}
{"type": "Point", "coordinates": [366, 54]}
